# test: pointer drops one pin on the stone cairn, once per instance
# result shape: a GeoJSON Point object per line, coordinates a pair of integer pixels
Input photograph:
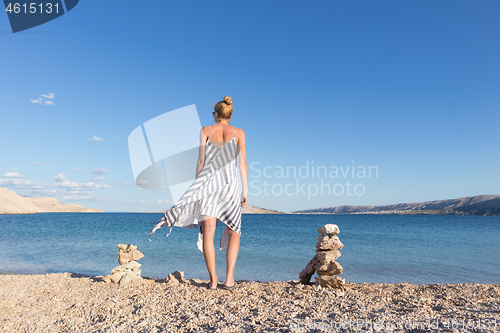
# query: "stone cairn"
{"type": "Point", "coordinates": [323, 263]}
{"type": "Point", "coordinates": [129, 268]}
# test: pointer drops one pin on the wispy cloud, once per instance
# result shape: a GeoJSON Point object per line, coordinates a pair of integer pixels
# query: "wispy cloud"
{"type": "Point", "coordinates": [77, 197]}
{"type": "Point", "coordinates": [84, 197]}
{"type": "Point", "coordinates": [92, 186]}
{"type": "Point", "coordinates": [77, 188]}
{"type": "Point", "coordinates": [78, 169]}
{"type": "Point", "coordinates": [41, 101]}
{"type": "Point", "coordinates": [100, 171]}
{"type": "Point", "coordinates": [44, 99]}
{"type": "Point", "coordinates": [42, 192]}
{"type": "Point", "coordinates": [77, 191]}
{"type": "Point", "coordinates": [49, 96]}
{"type": "Point", "coordinates": [12, 175]}
{"type": "Point", "coordinates": [121, 184]}
{"type": "Point", "coordinates": [23, 183]}
{"type": "Point", "coordinates": [166, 201]}
{"type": "Point", "coordinates": [35, 164]}
{"type": "Point", "coordinates": [60, 177]}
{"type": "Point", "coordinates": [98, 179]}
{"type": "Point", "coordinates": [145, 202]}
{"type": "Point", "coordinates": [96, 138]}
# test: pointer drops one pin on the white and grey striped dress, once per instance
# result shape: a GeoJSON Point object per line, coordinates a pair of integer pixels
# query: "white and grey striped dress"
{"type": "Point", "coordinates": [214, 192]}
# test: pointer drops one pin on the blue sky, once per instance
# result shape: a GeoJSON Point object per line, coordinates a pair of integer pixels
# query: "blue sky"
{"type": "Point", "coordinates": [409, 87]}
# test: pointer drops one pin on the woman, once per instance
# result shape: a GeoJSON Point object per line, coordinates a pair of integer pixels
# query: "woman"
{"type": "Point", "coordinates": [213, 196]}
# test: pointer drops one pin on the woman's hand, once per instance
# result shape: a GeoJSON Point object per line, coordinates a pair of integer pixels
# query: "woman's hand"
{"type": "Point", "coordinates": [243, 199]}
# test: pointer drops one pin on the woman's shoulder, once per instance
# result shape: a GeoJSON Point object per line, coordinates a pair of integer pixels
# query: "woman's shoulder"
{"type": "Point", "coordinates": [240, 133]}
{"type": "Point", "coordinates": [204, 132]}
{"type": "Point", "coordinates": [239, 130]}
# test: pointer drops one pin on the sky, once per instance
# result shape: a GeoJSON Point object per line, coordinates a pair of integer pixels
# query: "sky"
{"type": "Point", "coordinates": [408, 90]}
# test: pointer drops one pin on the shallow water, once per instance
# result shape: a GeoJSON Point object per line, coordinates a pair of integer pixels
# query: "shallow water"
{"type": "Point", "coordinates": [377, 248]}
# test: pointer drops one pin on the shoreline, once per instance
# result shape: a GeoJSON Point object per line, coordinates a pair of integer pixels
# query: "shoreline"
{"type": "Point", "coordinates": [79, 303]}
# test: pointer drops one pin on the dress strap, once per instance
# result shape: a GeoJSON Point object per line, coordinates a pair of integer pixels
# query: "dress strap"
{"type": "Point", "coordinates": [234, 133]}
{"type": "Point", "coordinates": [208, 133]}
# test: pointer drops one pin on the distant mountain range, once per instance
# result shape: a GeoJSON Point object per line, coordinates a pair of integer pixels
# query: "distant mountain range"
{"type": "Point", "coordinates": [12, 203]}
{"type": "Point", "coordinates": [478, 205]}
{"type": "Point", "coordinates": [249, 209]}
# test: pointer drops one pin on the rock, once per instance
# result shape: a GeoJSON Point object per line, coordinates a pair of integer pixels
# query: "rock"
{"type": "Point", "coordinates": [339, 293]}
{"type": "Point", "coordinates": [126, 247]}
{"type": "Point", "coordinates": [424, 300]}
{"type": "Point", "coordinates": [179, 276]}
{"type": "Point", "coordinates": [175, 277]}
{"type": "Point", "coordinates": [128, 253]}
{"type": "Point", "coordinates": [171, 279]}
{"type": "Point", "coordinates": [438, 307]}
{"type": "Point", "coordinates": [329, 229]}
{"type": "Point", "coordinates": [331, 268]}
{"type": "Point", "coordinates": [323, 263]}
{"type": "Point", "coordinates": [126, 278]}
{"type": "Point", "coordinates": [329, 243]}
{"type": "Point", "coordinates": [107, 278]}
{"type": "Point", "coordinates": [308, 287]}
{"type": "Point", "coordinates": [136, 254]}
{"type": "Point", "coordinates": [306, 274]}
{"type": "Point", "coordinates": [324, 238]}
{"type": "Point", "coordinates": [329, 281]}
{"type": "Point", "coordinates": [123, 261]}
{"type": "Point", "coordinates": [327, 256]}
{"type": "Point", "coordinates": [123, 257]}
{"type": "Point", "coordinates": [133, 266]}
{"type": "Point", "coordinates": [115, 277]}
{"type": "Point", "coordinates": [129, 269]}
{"type": "Point", "coordinates": [136, 274]}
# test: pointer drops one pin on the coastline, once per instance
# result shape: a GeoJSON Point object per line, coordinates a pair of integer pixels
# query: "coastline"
{"type": "Point", "coordinates": [78, 303]}
{"type": "Point", "coordinates": [12, 203]}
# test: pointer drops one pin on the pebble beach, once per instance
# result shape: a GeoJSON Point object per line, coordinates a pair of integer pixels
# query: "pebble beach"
{"type": "Point", "coordinates": [69, 302]}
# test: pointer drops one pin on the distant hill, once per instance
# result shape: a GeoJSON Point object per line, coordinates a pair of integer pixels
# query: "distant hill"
{"type": "Point", "coordinates": [247, 209]}
{"type": "Point", "coordinates": [12, 203]}
{"type": "Point", "coordinates": [478, 205]}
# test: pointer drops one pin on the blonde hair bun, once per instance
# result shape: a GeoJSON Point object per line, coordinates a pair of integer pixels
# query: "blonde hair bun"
{"type": "Point", "coordinates": [224, 108]}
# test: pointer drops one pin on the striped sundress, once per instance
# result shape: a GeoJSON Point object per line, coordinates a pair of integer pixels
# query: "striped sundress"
{"type": "Point", "coordinates": [214, 193]}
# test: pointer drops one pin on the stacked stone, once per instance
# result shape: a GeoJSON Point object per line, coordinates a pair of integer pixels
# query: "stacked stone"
{"type": "Point", "coordinates": [323, 263]}
{"type": "Point", "coordinates": [129, 268]}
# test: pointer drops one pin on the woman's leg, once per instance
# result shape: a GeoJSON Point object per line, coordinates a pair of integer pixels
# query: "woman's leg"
{"type": "Point", "coordinates": [208, 226]}
{"type": "Point", "coordinates": [232, 253]}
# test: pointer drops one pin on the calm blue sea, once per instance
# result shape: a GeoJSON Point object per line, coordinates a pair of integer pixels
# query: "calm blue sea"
{"type": "Point", "coordinates": [377, 248]}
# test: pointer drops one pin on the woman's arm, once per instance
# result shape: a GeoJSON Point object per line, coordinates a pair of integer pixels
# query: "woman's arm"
{"type": "Point", "coordinates": [242, 161]}
{"type": "Point", "coordinates": [201, 155]}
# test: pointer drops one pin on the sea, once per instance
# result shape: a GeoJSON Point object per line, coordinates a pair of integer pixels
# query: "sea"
{"type": "Point", "coordinates": [419, 249]}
